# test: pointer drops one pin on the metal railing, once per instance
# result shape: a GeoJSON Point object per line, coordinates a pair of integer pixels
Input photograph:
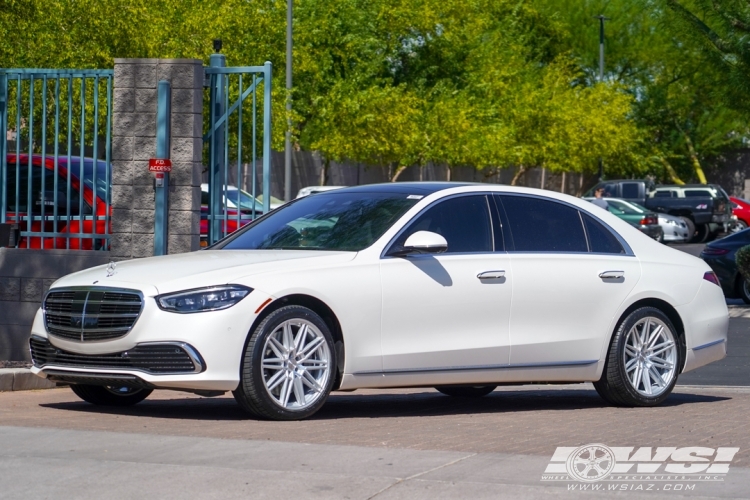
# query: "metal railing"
{"type": "Point", "coordinates": [55, 155]}
{"type": "Point", "coordinates": [233, 139]}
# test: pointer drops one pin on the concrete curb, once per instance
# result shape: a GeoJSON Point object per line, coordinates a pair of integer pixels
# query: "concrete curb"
{"type": "Point", "coordinates": [21, 379]}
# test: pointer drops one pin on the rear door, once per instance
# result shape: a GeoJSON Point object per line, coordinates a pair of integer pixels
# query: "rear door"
{"type": "Point", "coordinates": [571, 273]}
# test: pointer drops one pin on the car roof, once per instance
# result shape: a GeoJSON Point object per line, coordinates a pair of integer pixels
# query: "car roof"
{"type": "Point", "coordinates": [424, 188]}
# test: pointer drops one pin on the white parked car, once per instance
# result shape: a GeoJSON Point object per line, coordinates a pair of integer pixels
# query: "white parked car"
{"type": "Point", "coordinates": [307, 191]}
{"type": "Point", "coordinates": [457, 286]}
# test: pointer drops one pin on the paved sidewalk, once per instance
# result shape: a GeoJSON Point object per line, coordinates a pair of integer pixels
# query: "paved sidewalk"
{"type": "Point", "coordinates": [511, 420]}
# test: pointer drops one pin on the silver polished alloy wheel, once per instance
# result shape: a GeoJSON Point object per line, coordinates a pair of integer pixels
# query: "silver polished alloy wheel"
{"type": "Point", "coordinates": [296, 364]}
{"type": "Point", "coordinates": [650, 356]}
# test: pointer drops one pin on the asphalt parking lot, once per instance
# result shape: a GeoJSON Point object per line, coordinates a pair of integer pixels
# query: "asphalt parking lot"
{"type": "Point", "coordinates": [367, 444]}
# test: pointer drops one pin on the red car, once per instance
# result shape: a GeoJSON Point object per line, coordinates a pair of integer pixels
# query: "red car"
{"type": "Point", "coordinates": [87, 213]}
{"type": "Point", "coordinates": [741, 209]}
{"type": "Point", "coordinates": [235, 201]}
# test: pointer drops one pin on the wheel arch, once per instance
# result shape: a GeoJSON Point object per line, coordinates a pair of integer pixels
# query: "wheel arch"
{"type": "Point", "coordinates": [321, 309]}
{"type": "Point", "coordinates": [668, 310]}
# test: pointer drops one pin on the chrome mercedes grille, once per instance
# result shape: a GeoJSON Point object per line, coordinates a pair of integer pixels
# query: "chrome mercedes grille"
{"type": "Point", "coordinates": [91, 314]}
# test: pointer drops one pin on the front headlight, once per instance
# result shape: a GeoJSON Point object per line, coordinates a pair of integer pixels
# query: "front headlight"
{"type": "Point", "coordinates": [212, 298]}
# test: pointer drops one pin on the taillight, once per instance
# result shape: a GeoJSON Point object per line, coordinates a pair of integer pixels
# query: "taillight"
{"type": "Point", "coordinates": [649, 220]}
{"type": "Point", "coordinates": [711, 276]}
{"type": "Point", "coordinates": [714, 251]}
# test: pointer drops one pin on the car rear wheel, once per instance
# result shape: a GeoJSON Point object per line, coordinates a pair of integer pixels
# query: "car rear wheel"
{"type": "Point", "coordinates": [743, 289]}
{"type": "Point", "coordinates": [643, 362]}
{"type": "Point", "coordinates": [466, 391]}
{"type": "Point", "coordinates": [110, 395]}
{"type": "Point", "coordinates": [690, 228]}
{"type": "Point", "coordinates": [702, 233]}
{"type": "Point", "coordinates": [288, 365]}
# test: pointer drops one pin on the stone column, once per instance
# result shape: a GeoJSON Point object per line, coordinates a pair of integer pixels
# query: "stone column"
{"type": "Point", "coordinates": [134, 142]}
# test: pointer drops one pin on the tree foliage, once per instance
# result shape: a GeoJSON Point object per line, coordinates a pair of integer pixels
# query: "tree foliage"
{"type": "Point", "coordinates": [486, 83]}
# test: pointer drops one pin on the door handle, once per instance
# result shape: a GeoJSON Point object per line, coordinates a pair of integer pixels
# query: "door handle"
{"type": "Point", "coordinates": [612, 275]}
{"type": "Point", "coordinates": [491, 275]}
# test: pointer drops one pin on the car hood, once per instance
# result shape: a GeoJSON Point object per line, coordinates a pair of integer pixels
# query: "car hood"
{"type": "Point", "coordinates": [170, 273]}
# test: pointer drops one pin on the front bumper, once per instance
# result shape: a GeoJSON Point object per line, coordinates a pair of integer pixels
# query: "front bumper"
{"type": "Point", "coordinates": [217, 338]}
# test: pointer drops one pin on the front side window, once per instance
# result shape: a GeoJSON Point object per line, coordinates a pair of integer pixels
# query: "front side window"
{"type": "Point", "coordinates": [327, 221]}
{"type": "Point", "coordinates": [539, 225]}
{"type": "Point", "coordinates": [463, 221]}
{"type": "Point", "coordinates": [698, 193]}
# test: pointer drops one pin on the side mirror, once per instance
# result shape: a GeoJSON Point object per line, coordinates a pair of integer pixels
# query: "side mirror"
{"type": "Point", "coordinates": [422, 242]}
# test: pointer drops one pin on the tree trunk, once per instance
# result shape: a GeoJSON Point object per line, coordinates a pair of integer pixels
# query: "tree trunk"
{"type": "Point", "coordinates": [324, 171]}
{"type": "Point", "coordinates": [671, 172]}
{"type": "Point", "coordinates": [694, 160]}
{"type": "Point", "coordinates": [448, 174]}
{"type": "Point", "coordinates": [521, 170]}
{"type": "Point", "coordinates": [398, 171]}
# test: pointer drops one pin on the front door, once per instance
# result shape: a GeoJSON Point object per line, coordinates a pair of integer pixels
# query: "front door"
{"type": "Point", "coordinates": [448, 311]}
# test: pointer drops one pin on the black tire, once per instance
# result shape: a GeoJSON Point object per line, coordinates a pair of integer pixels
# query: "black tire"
{"type": "Point", "coordinates": [614, 385]}
{"type": "Point", "coordinates": [740, 225]}
{"type": "Point", "coordinates": [702, 233]}
{"type": "Point", "coordinates": [466, 391]}
{"type": "Point", "coordinates": [252, 394]}
{"type": "Point", "coordinates": [743, 289]}
{"type": "Point", "coordinates": [110, 396]}
{"type": "Point", "coordinates": [690, 228]}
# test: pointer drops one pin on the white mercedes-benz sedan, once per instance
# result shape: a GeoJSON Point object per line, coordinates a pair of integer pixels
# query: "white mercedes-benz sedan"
{"type": "Point", "coordinates": [460, 287]}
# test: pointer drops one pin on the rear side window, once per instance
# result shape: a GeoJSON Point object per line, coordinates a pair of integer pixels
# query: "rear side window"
{"type": "Point", "coordinates": [539, 225]}
{"type": "Point", "coordinates": [664, 194]}
{"type": "Point", "coordinates": [601, 240]}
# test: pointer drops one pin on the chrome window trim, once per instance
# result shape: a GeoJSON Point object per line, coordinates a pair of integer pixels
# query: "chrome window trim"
{"type": "Point", "coordinates": [625, 246]}
{"type": "Point", "coordinates": [90, 289]}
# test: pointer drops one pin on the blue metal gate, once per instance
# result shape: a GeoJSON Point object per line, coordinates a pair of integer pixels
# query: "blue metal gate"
{"type": "Point", "coordinates": [55, 156]}
{"type": "Point", "coordinates": [232, 140]}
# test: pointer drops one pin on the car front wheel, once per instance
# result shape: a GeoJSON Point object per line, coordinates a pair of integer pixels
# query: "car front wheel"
{"type": "Point", "coordinates": [110, 395]}
{"type": "Point", "coordinates": [643, 362]}
{"type": "Point", "coordinates": [288, 365]}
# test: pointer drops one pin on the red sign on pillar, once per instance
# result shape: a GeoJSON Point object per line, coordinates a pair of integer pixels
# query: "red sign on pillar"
{"type": "Point", "coordinates": [159, 165]}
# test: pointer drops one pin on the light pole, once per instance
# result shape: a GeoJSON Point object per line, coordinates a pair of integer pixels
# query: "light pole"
{"type": "Point", "coordinates": [601, 19]}
{"type": "Point", "coordinates": [288, 135]}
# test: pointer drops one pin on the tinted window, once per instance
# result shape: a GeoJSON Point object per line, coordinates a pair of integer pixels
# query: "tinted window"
{"type": "Point", "coordinates": [630, 190]}
{"type": "Point", "coordinates": [36, 192]}
{"type": "Point", "coordinates": [610, 189]}
{"type": "Point", "coordinates": [697, 193]}
{"type": "Point", "coordinates": [335, 221]}
{"type": "Point", "coordinates": [601, 240]}
{"type": "Point", "coordinates": [539, 225]}
{"type": "Point", "coordinates": [464, 222]}
{"type": "Point", "coordinates": [663, 194]}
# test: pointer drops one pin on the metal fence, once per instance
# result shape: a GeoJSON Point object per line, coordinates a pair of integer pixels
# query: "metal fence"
{"type": "Point", "coordinates": [55, 156]}
{"type": "Point", "coordinates": [233, 140]}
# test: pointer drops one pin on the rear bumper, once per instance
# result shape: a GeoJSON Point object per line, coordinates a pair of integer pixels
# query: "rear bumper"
{"type": "Point", "coordinates": [706, 321]}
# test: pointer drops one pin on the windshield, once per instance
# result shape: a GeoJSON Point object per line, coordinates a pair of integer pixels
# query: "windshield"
{"type": "Point", "coordinates": [326, 221]}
